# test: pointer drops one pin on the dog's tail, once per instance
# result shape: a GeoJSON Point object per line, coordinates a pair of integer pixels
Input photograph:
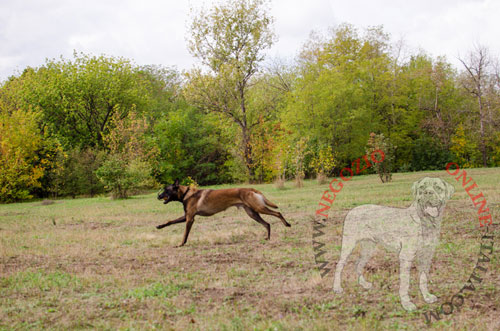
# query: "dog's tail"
{"type": "Point", "coordinates": [262, 198]}
{"type": "Point", "coordinates": [269, 203]}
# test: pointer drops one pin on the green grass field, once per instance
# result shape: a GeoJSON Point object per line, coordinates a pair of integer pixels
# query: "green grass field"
{"type": "Point", "coordinates": [100, 263]}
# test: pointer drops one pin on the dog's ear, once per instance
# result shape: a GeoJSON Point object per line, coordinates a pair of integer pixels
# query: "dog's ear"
{"type": "Point", "coordinates": [414, 188]}
{"type": "Point", "coordinates": [450, 189]}
{"type": "Point", "coordinates": [176, 183]}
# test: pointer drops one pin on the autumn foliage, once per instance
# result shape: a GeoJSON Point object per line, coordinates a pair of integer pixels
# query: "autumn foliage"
{"type": "Point", "coordinates": [97, 124]}
{"type": "Point", "coordinates": [24, 156]}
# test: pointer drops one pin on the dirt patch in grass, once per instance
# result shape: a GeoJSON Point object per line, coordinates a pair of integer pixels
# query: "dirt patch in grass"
{"type": "Point", "coordinates": [47, 202]}
{"type": "Point", "coordinates": [89, 225]}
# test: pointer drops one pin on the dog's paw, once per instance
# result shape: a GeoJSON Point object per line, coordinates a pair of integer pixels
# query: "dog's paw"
{"type": "Point", "coordinates": [366, 285]}
{"type": "Point", "coordinates": [430, 298]}
{"type": "Point", "coordinates": [408, 305]}
{"type": "Point", "coordinates": [338, 290]}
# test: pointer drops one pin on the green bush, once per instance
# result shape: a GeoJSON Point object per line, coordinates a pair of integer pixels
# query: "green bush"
{"type": "Point", "coordinates": [385, 168]}
{"type": "Point", "coordinates": [121, 178]}
{"type": "Point", "coordinates": [77, 176]}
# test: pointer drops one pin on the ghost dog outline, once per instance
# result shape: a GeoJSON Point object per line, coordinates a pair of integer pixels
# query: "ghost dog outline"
{"type": "Point", "coordinates": [412, 232]}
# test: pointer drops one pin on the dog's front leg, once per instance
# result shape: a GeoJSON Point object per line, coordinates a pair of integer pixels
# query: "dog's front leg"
{"type": "Point", "coordinates": [424, 265]}
{"type": "Point", "coordinates": [428, 297]}
{"type": "Point", "coordinates": [189, 224]}
{"type": "Point", "coordinates": [181, 219]}
{"type": "Point", "coordinates": [405, 262]}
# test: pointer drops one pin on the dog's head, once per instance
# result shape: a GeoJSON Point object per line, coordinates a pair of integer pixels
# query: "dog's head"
{"type": "Point", "coordinates": [169, 192]}
{"type": "Point", "coordinates": [431, 195]}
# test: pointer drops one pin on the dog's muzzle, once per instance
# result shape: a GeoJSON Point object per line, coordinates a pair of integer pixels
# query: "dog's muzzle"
{"type": "Point", "coordinates": [161, 196]}
{"type": "Point", "coordinates": [431, 203]}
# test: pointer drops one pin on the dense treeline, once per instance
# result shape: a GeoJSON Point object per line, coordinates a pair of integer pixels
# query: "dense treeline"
{"type": "Point", "coordinates": [74, 127]}
{"type": "Point", "coordinates": [96, 123]}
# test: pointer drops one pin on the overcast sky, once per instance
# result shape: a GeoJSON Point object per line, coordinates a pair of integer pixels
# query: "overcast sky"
{"type": "Point", "coordinates": [153, 31]}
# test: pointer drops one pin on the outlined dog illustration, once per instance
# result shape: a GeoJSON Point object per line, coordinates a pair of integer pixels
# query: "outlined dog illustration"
{"type": "Point", "coordinates": [412, 232]}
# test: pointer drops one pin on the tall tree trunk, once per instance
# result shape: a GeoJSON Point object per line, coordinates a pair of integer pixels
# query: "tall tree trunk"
{"type": "Point", "coordinates": [477, 69]}
{"type": "Point", "coordinates": [247, 153]}
{"type": "Point", "coordinates": [247, 143]}
{"type": "Point", "coordinates": [481, 129]}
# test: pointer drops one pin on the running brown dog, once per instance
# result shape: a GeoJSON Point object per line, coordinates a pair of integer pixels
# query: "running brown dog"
{"type": "Point", "coordinates": [209, 202]}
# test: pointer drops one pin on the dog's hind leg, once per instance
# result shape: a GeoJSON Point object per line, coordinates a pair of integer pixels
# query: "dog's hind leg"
{"type": "Point", "coordinates": [348, 244]}
{"type": "Point", "coordinates": [267, 211]}
{"type": "Point", "coordinates": [367, 250]}
{"type": "Point", "coordinates": [181, 219]}
{"type": "Point", "coordinates": [253, 214]}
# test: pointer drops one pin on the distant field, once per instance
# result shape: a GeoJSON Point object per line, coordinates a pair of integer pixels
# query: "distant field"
{"type": "Point", "coordinates": [99, 263]}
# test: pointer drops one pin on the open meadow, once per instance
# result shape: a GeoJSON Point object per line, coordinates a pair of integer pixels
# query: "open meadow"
{"type": "Point", "coordinates": [101, 263]}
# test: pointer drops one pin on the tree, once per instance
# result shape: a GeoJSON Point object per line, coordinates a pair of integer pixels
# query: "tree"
{"type": "Point", "coordinates": [323, 163]}
{"type": "Point", "coordinates": [78, 175]}
{"type": "Point", "coordinates": [433, 102]}
{"type": "Point", "coordinates": [163, 86]}
{"type": "Point", "coordinates": [26, 154]}
{"type": "Point", "coordinates": [191, 145]}
{"type": "Point", "coordinates": [464, 148]}
{"type": "Point", "coordinates": [342, 92]}
{"type": "Point", "coordinates": [131, 159]}
{"type": "Point", "coordinates": [436, 96]}
{"type": "Point", "coordinates": [475, 82]}
{"type": "Point", "coordinates": [78, 97]}
{"type": "Point", "coordinates": [298, 156]}
{"type": "Point", "coordinates": [230, 40]}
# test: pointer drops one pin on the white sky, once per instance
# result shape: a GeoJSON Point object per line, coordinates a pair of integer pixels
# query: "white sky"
{"type": "Point", "coordinates": [153, 31]}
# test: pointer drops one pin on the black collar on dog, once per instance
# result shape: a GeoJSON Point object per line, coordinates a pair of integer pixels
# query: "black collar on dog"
{"type": "Point", "coordinates": [182, 199]}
